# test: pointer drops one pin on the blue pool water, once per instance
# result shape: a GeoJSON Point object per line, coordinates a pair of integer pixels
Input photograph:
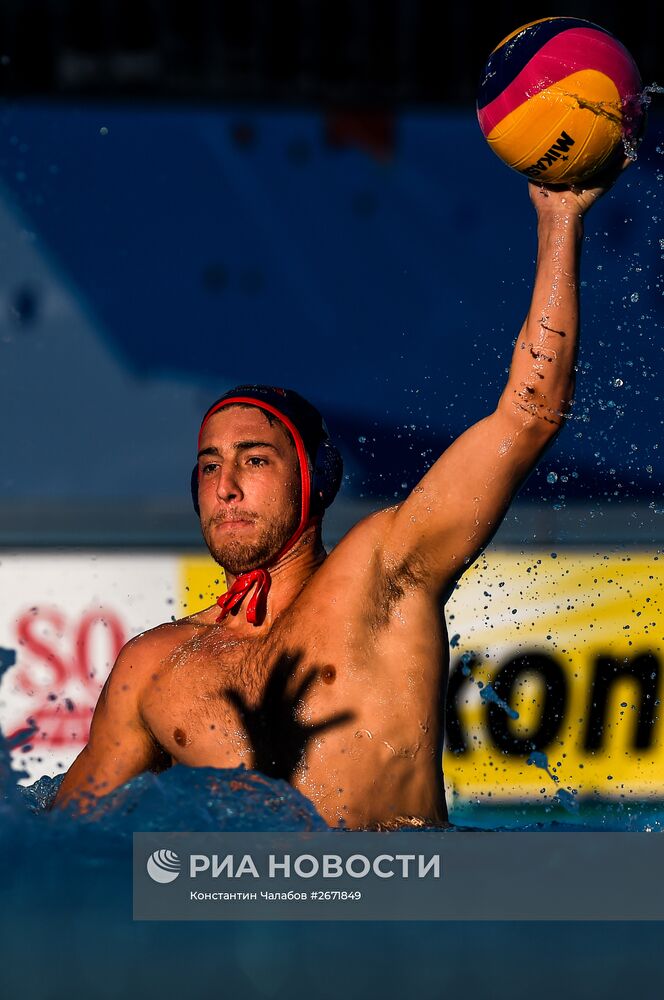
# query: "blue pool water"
{"type": "Point", "coordinates": [67, 928]}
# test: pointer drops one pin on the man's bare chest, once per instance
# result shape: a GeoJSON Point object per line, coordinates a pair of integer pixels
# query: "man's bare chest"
{"type": "Point", "coordinates": [224, 700]}
{"type": "Point", "coordinates": [220, 699]}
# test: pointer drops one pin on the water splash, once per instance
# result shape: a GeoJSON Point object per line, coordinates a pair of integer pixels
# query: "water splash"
{"type": "Point", "coordinates": [466, 661]}
{"type": "Point", "coordinates": [565, 798]}
{"type": "Point", "coordinates": [7, 659]}
{"type": "Point", "coordinates": [489, 695]}
{"type": "Point", "coordinates": [630, 142]}
{"type": "Point", "coordinates": [645, 97]}
{"type": "Point", "coordinates": [487, 691]}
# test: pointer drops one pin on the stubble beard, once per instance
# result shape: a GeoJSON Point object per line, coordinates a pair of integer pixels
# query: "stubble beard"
{"type": "Point", "coordinates": [238, 556]}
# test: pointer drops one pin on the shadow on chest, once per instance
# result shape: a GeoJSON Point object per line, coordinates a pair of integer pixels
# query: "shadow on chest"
{"type": "Point", "coordinates": [268, 688]}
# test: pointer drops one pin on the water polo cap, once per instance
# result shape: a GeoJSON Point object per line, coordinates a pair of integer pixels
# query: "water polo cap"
{"type": "Point", "coordinates": [321, 465]}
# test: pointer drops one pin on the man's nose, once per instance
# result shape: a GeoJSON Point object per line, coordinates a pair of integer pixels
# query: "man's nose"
{"type": "Point", "coordinates": [228, 486]}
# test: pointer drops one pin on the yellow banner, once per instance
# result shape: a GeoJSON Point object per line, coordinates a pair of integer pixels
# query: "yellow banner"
{"type": "Point", "coordinates": [201, 583]}
{"type": "Point", "coordinates": [556, 673]}
{"type": "Point", "coordinates": [556, 660]}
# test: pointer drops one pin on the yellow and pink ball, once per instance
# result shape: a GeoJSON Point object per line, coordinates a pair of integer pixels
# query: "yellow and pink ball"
{"type": "Point", "coordinates": [558, 97]}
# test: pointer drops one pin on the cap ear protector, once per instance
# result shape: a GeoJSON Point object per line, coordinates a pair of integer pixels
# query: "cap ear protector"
{"type": "Point", "coordinates": [323, 473]}
{"type": "Point", "coordinates": [327, 474]}
{"type": "Point", "coordinates": [194, 489]}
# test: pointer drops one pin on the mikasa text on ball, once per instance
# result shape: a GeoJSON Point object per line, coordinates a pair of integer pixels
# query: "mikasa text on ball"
{"type": "Point", "coordinates": [557, 97]}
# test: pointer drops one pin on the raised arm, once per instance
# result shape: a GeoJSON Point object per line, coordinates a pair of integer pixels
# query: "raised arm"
{"type": "Point", "coordinates": [450, 517]}
{"type": "Point", "coordinates": [120, 746]}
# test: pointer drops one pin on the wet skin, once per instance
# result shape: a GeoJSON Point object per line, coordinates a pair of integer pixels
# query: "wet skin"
{"type": "Point", "coordinates": [334, 695]}
{"type": "Point", "coordinates": [340, 690]}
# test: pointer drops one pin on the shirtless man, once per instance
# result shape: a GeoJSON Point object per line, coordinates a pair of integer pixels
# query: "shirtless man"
{"type": "Point", "coordinates": [330, 670]}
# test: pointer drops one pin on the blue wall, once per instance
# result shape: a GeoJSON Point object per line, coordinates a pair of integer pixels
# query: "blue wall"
{"type": "Point", "coordinates": [385, 279]}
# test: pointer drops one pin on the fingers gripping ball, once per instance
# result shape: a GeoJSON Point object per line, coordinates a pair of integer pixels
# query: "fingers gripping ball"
{"type": "Point", "coordinates": [557, 97]}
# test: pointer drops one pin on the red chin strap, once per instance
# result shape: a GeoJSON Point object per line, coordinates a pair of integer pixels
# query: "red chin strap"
{"type": "Point", "coordinates": [257, 607]}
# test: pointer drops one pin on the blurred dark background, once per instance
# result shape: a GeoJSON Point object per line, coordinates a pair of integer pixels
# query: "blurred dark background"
{"type": "Point", "coordinates": [350, 52]}
{"type": "Point", "coordinates": [198, 194]}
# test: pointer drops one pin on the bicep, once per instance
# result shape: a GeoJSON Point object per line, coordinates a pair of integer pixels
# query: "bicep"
{"type": "Point", "coordinates": [119, 746]}
{"type": "Point", "coordinates": [455, 510]}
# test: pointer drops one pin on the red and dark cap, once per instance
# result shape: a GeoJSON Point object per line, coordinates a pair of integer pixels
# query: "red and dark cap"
{"type": "Point", "coordinates": [321, 466]}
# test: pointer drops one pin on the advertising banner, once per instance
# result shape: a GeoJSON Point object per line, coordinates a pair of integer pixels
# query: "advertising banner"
{"type": "Point", "coordinates": [555, 675]}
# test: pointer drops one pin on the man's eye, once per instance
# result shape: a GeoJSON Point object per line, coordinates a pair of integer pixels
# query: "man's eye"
{"type": "Point", "coordinates": [207, 469]}
{"type": "Point", "coordinates": [257, 462]}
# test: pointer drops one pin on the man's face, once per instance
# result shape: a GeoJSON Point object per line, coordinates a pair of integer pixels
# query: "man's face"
{"type": "Point", "coordinates": [249, 488]}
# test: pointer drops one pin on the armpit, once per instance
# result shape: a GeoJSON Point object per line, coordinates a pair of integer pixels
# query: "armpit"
{"type": "Point", "coordinates": [160, 759]}
{"type": "Point", "coordinates": [394, 584]}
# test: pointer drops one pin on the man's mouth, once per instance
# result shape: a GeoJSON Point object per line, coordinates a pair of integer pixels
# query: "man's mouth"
{"type": "Point", "coordinates": [232, 523]}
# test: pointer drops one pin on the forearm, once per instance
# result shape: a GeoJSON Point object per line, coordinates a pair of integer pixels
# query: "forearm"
{"type": "Point", "coordinates": [541, 382]}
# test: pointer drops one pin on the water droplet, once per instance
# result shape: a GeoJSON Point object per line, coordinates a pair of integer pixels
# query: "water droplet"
{"type": "Point", "coordinates": [617, 382]}
{"type": "Point", "coordinates": [634, 297]}
{"type": "Point", "coordinates": [552, 478]}
{"type": "Point", "coordinates": [489, 696]}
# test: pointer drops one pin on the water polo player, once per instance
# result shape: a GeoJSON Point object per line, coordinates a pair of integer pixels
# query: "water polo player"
{"type": "Point", "coordinates": [328, 670]}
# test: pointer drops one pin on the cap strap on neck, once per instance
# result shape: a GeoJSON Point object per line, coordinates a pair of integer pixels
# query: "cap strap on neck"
{"type": "Point", "coordinates": [242, 585]}
{"type": "Point", "coordinates": [257, 607]}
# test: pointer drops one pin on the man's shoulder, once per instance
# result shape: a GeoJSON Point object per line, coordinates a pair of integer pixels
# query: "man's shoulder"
{"type": "Point", "coordinates": [149, 648]}
{"type": "Point", "coordinates": [362, 544]}
{"type": "Point", "coordinates": [371, 530]}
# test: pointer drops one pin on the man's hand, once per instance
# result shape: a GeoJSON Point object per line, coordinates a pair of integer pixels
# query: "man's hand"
{"type": "Point", "coordinates": [559, 199]}
{"type": "Point", "coordinates": [278, 737]}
